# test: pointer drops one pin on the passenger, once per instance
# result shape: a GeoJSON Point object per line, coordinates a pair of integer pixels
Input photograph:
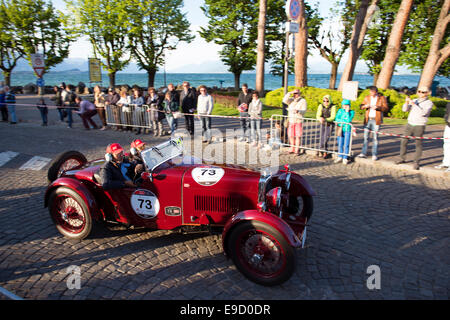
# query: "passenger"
{"type": "Point", "coordinates": [137, 146]}
{"type": "Point", "coordinates": [115, 173]}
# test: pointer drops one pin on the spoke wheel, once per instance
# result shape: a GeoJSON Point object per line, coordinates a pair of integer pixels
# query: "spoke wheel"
{"type": "Point", "coordinates": [70, 214]}
{"type": "Point", "coordinates": [261, 253]}
{"type": "Point", "coordinates": [66, 161]}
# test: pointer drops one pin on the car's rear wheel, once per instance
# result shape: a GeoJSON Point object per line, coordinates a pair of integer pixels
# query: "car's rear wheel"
{"type": "Point", "coordinates": [261, 253]}
{"type": "Point", "coordinates": [65, 161]}
{"type": "Point", "coordinates": [70, 214]}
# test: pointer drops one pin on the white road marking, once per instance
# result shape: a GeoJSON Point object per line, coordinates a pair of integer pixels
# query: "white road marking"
{"type": "Point", "coordinates": [7, 156]}
{"type": "Point", "coordinates": [35, 163]}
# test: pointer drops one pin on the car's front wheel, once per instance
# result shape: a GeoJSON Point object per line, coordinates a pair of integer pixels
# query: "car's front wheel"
{"type": "Point", "coordinates": [261, 253]}
{"type": "Point", "coordinates": [70, 214]}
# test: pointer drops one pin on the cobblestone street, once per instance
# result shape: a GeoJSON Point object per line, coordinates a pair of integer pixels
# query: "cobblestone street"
{"type": "Point", "coordinates": [364, 215]}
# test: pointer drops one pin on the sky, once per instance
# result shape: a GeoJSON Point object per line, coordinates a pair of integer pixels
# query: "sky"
{"type": "Point", "coordinates": [199, 55]}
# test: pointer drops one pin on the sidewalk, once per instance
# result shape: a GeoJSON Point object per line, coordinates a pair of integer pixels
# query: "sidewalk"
{"type": "Point", "coordinates": [388, 146]}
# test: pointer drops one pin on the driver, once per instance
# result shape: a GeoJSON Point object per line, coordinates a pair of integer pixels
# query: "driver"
{"type": "Point", "coordinates": [115, 173]}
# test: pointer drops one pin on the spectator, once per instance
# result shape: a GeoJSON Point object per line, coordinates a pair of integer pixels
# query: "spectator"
{"type": "Point", "coordinates": [69, 103]}
{"type": "Point", "coordinates": [297, 107]}
{"type": "Point", "coordinates": [419, 110]}
{"type": "Point", "coordinates": [42, 107]}
{"type": "Point", "coordinates": [10, 100]}
{"type": "Point", "coordinates": [155, 114]}
{"type": "Point", "coordinates": [446, 161]}
{"type": "Point", "coordinates": [137, 100]}
{"type": "Point", "coordinates": [275, 137]}
{"type": "Point", "coordinates": [205, 104]}
{"type": "Point", "coordinates": [326, 113]}
{"type": "Point", "coordinates": [124, 105]}
{"type": "Point", "coordinates": [255, 113]}
{"type": "Point", "coordinates": [375, 105]}
{"type": "Point", "coordinates": [100, 101]}
{"type": "Point", "coordinates": [175, 99]}
{"type": "Point", "coordinates": [3, 108]}
{"type": "Point", "coordinates": [59, 102]}
{"type": "Point", "coordinates": [111, 101]}
{"type": "Point", "coordinates": [245, 97]}
{"type": "Point", "coordinates": [188, 100]}
{"type": "Point", "coordinates": [86, 112]}
{"type": "Point", "coordinates": [344, 115]}
{"type": "Point", "coordinates": [170, 106]}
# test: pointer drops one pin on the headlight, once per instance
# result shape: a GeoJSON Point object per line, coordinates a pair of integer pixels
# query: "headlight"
{"type": "Point", "coordinates": [273, 197]}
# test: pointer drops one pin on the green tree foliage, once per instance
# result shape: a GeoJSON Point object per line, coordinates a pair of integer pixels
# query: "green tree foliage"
{"type": "Point", "coordinates": [418, 36]}
{"type": "Point", "coordinates": [106, 23]}
{"type": "Point", "coordinates": [233, 24]}
{"type": "Point", "coordinates": [156, 26]}
{"type": "Point", "coordinates": [10, 50]}
{"type": "Point", "coordinates": [378, 35]}
{"type": "Point", "coordinates": [37, 27]}
{"type": "Point", "coordinates": [331, 35]}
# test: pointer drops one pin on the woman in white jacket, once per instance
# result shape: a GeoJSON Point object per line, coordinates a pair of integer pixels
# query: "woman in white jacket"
{"type": "Point", "coordinates": [255, 113]}
{"type": "Point", "coordinates": [205, 104]}
{"type": "Point", "coordinates": [297, 107]}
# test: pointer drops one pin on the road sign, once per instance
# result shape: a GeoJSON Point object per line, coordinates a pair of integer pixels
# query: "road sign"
{"type": "Point", "coordinates": [40, 82]}
{"type": "Point", "coordinates": [38, 64]}
{"type": "Point", "coordinates": [350, 90]}
{"type": "Point", "coordinates": [95, 70]}
{"type": "Point", "coordinates": [292, 27]}
{"type": "Point", "coordinates": [293, 9]}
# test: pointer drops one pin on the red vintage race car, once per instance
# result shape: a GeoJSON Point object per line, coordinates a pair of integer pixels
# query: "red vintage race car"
{"type": "Point", "coordinates": [262, 217]}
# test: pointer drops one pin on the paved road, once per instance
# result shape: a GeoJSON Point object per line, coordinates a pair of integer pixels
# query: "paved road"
{"type": "Point", "coordinates": [364, 215]}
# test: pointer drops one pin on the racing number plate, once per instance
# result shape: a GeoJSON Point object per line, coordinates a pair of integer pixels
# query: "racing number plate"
{"type": "Point", "coordinates": [145, 204]}
{"type": "Point", "coordinates": [207, 176]}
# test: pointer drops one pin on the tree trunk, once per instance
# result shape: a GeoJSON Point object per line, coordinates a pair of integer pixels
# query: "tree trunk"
{"type": "Point", "coordinates": [436, 56]}
{"type": "Point", "coordinates": [151, 77]}
{"type": "Point", "coordinates": [376, 76]}
{"type": "Point", "coordinates": [394, 45]}
{"type": "Point", "coordinates": [261, 47]}
{"type": "Point", "coordinates": [333, 77]}
{"type": "Point", "coordinates": [7, 76]}
{"type": "Point", "coordinates": [112, 79]}
{"type": "Point", "coordinates": [356, 43]}
{"type": "Point", "coordinates": [237, 80]}
{"type": "Point", "coordinates": [301, 50]}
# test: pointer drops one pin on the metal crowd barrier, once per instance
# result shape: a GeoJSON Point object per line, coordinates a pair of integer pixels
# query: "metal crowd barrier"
{"type": "Point", "coordinates": [312, 137]}
{"type": "Point", "coordinates": [136, 116]}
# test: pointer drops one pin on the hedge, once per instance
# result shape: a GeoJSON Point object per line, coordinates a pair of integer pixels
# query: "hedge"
{"type": "Point", "coordinates": [314, 97]}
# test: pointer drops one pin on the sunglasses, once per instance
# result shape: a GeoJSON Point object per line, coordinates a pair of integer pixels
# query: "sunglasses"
{"type": "Point", "coordinates": [326, 100]}
{"type": "Point", "coordinates": [422, 91]}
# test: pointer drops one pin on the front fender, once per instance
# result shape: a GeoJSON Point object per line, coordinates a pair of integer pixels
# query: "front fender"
{"type": "Point", "coordinates": [299, 186]}
{"type": "Point", "coordinates": [265, 217]}
{"type": "Point", "coordinates": [79, 188]}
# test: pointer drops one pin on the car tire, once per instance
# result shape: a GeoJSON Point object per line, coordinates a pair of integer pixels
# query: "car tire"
{"type": "Point", "coordinates": [306, 206]}
{"type": "Point", "coordinates": [65, 161]}
{"type": "Point", "coordinates": [75, 222]}
{"type": "Point", "coordinates": [248, 240]}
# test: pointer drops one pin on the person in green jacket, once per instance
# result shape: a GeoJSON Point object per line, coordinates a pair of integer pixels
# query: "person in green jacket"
{"type": "Point", "coordinates": [326, 113]}
{"type": "Point", "coordinates": [344, 115]}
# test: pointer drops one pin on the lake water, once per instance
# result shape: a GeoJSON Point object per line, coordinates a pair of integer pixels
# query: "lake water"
{"type": "Point", "coordinates": [208, 79]}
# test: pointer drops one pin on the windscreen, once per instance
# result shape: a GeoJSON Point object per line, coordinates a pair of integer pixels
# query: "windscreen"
{"type": "Point", "coordinates": [166, 151]}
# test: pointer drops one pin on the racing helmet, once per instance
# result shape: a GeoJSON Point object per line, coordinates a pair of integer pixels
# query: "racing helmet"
{"type": "Point", "coordinates": [112, 149]}
{"type": "Point", "coordinates": [136, 146]}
